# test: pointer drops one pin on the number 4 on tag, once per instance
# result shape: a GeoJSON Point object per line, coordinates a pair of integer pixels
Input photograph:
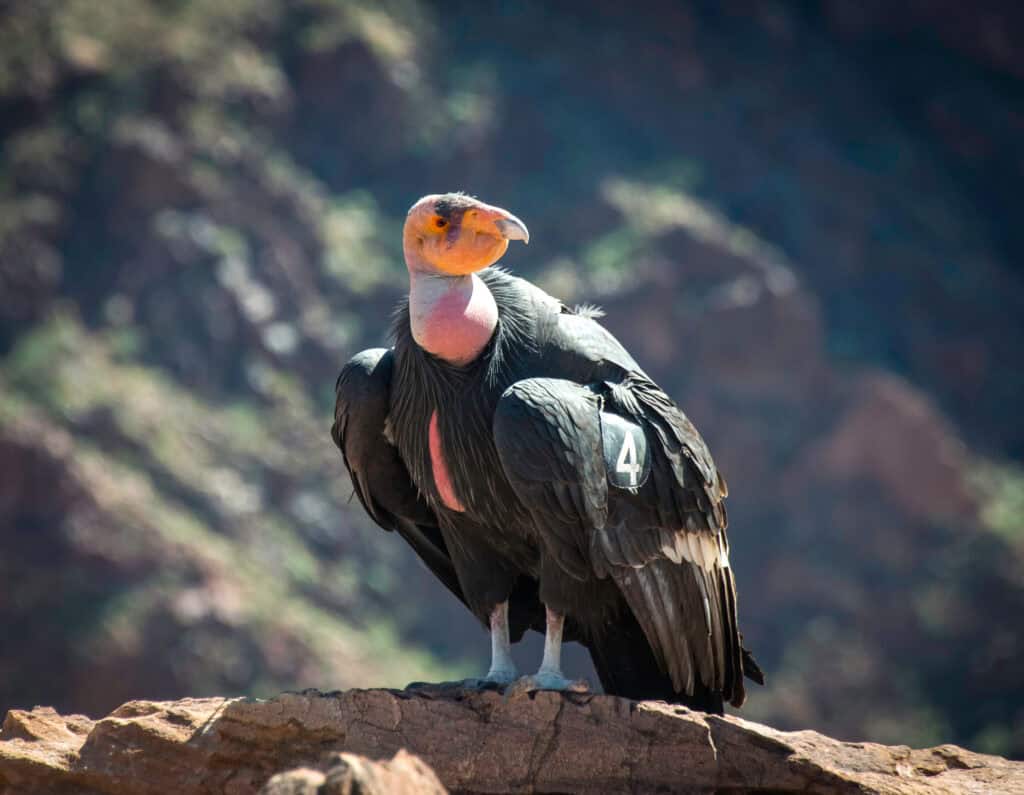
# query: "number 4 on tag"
{"type": "Point", "coordinates": [627, 463]}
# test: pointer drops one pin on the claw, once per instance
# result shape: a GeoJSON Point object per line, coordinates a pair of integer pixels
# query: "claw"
{"type": "Point", "coordinates": [479, 684]}
{"type": "Point", "coordinates": [448, 689]}
{"type": "Point", "coordinates": [547, 680]}
{"type": "Point", "coordinates": [550, 677]}
{"type": "Point", "coordinates": [492, 680]}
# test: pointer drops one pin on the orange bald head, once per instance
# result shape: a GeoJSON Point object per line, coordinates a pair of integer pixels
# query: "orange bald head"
{"type": "Point", "coordinates": [453, 234]}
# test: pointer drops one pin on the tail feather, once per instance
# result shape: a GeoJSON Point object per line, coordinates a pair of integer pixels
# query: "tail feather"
{"type": "Point", "coordinates": [627, 667]}
{"type": "Point", "coordinates": [657, 649]}
{"type": "Point", "coordinates": [750, 667]}
{"type": "Point", "coordinates": [736, 693]}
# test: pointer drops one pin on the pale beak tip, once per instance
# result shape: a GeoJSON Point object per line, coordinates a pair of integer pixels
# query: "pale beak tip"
{"type": "Point", "coordinates": [514, 229]}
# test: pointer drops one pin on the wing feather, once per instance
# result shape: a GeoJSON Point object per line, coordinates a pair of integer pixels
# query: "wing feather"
{"type": "Point", "coordinates": [663, 544]}
{"type": "Point", "coordinates": [379, 477]}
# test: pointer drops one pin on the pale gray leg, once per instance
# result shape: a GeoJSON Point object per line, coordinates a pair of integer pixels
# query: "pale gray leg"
{"type": "Point", "coordinates": [503, 669]}
{"type": "Point", "coordinates": [549, 676]}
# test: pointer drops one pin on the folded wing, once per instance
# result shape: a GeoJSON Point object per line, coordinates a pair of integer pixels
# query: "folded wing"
{"type": "Point", "coordinates": [621, 485]}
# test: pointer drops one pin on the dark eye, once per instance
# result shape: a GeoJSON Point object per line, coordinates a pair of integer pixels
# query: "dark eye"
{"type": "Point", "coordinates": [440, 223]}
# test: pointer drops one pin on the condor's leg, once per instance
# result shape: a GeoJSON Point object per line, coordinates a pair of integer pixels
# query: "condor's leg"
{"type": "Point", "coordinates": [503, 669]}
{"type": "Point", "coordinates": [560, 594]}
{"type": "Point", "coordinates": [549, 676]}
{"type": "Point", "coordinates": [487, 578]}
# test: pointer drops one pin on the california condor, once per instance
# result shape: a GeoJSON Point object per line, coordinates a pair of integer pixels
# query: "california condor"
{"type": "Point", "coordinates": [541, 474]}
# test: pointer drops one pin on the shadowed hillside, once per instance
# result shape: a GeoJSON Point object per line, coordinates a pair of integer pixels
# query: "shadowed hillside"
{"type": "Point", "coordinates": [802, 220]}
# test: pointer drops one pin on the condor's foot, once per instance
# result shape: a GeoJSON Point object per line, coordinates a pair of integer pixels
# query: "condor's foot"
{"type": "Point", "coordinates": [550, 677]}
{"type": "Point", "coordinates": [547, 680]}
{"type": "Point", "coordinates": [493, 680]}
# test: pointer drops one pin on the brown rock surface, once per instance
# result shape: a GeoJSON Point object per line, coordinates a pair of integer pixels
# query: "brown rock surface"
{"type": "Point", "coordinates": [351, 774]}
{"type": "Point", "coordinates": [476, 742]}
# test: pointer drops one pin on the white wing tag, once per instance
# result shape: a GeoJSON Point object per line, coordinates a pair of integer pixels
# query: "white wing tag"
{"type": "Point", "coordinates": [626, 455]}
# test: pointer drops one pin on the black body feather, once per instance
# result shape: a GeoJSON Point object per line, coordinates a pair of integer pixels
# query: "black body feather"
{"type": "Point", "coordinates": [641, 573]}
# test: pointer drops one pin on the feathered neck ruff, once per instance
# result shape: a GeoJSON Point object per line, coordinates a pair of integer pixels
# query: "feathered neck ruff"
{"type": "Point", "coordinates": [464, 398]}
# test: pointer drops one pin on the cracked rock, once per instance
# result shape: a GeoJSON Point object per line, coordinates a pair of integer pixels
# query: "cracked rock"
{"type": "Point", "coordinates": [326, 744]}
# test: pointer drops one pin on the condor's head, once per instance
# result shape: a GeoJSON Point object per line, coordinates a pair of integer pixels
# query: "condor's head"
{"type": "Point", "coordinates": [453, 234]}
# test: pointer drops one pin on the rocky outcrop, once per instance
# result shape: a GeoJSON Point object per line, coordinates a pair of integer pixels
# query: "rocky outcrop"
{"type": "Point", "coordinates": [476, 742]}
{"type": "Point", "coordinates": [351, 774]}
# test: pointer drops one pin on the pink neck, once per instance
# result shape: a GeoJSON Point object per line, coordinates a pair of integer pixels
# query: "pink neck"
{"type": "Point", "coordinates": [452, 317]}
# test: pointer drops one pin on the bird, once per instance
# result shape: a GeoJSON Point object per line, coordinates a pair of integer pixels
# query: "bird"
{"type": "Point", "coordinates": [541, 475]}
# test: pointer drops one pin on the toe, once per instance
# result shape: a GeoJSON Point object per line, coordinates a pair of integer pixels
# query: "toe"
{"type": "Point", "coordinates": [485, 683]}
{"type": "Point", "coordinates": [545, 680]}
{"type": "Point", "coordinates": [555, 681]}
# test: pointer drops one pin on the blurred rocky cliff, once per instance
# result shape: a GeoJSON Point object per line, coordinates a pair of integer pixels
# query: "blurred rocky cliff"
{"type": "Point", "coordinates": [803, 220]}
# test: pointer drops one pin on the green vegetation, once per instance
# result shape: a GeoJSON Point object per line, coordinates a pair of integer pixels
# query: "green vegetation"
{"type": "Point", "coordinates": [183, 475]}
{"type": "Point", "coordinates": [1001, 489]}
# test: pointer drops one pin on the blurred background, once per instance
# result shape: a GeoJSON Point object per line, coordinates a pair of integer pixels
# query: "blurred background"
{"type": "Point", "coordinates": [803, 218]}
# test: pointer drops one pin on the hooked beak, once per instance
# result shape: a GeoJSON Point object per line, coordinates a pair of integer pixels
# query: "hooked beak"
{"type": "Point", "coordinates": [512, 228]}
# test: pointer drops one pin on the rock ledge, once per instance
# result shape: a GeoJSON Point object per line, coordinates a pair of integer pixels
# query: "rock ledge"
{"type": "Point", "coordinates": [476, 742]}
